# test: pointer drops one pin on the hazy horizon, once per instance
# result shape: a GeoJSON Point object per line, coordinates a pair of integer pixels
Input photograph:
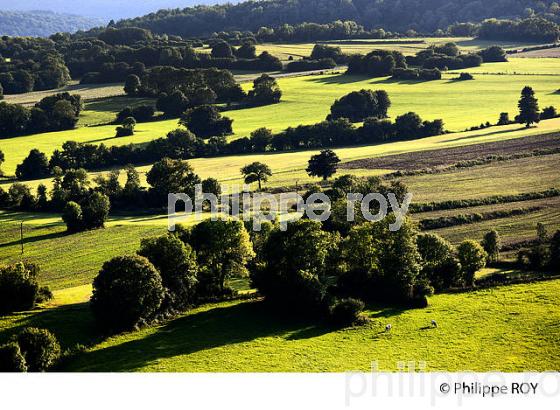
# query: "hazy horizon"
{"type": "Point", "coordinates": [106, 9]}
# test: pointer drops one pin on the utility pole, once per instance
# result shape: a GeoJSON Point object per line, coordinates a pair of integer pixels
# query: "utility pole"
{"type": "Point", "coordinates": [21, 236]}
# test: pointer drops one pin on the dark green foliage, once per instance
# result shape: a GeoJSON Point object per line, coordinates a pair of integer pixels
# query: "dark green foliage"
{"type": "Point", "coordinates": [415, 74]}
{"type": "Point", "coordinates": [95, 210]}
{"type": "Point", "coordinates": [493, 54]}
{"type": "Point", "coordinates": [555, 252]}
{"type": "Point", "coordinates": [53, 113]}
{"type": "Point", "coordinates": [72, 217]}
{"type": "Point", "coordinates": [176, 263]}
{"type": "Point", "coordinates": [491, 244]}
{"type": "Point", "coordinates": [206, 121]}
{"type": "Point", "coordinates": [381, 264]}
{"type": "Point", "coordinates": [265, 91]}
{"type": "Point", "coordinates": [19, 289]}
{"type": "Point", "coordinates": [548, 113]}
{"type": "Point", "coordinates": [359, 105]}
{"type": "Point", "coordinates": [346, 312]}
{"type": "Point", "coordinates": [221, 49]}
{"type": "Point", "coordinates": [127, 292]}
{"type": "Point", "coordinates": [39, 347]}
{"type": "Point", "coordinates": [323, 165]}
{"type": "Point", "coordinates": [533, 29]}
{"type": "Point", "coordinates": [11, 359]}
{"type": "Point", "coordinates": [173, 105]}
{"type": "Point", "coordinates": [465, 76]}
{"type": "Point", "coordinates": [528, 107]}
{"type": "Point", "coordinates": [472, 258]}
{"type": "Point", "coordinates": [132, 84]}
{"type": "Point", "coordinates": [377, 63]}
{"type": "Point", "coordinates": [439, 265]}
{"type": "Point", "coordinates": [124, 36]}
{"type": "Point", "coordinates": [295, 265]}
{"type": "Point", "coordinates": [34, 166]}
{"type": "Point", "coordinates": [223, 249]}
{"type": "Point", "coordinates": [504, 119]}
{"type": "Point", "coordinates": [321, 51]}
{"type": "Point", "coordinates": [171, 177]}
{"type": "Point", "coordinates": [256, 172]}
{"type": "Point", "coordinates": [309, 65]}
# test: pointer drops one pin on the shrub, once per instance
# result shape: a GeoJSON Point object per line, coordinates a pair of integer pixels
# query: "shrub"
{"type": "Point", "coordinates": [548, 113]}
{"type": "Point", "coordinates": [18, 287]}
{"type": "Point", "coordinates": [346, 312]}
{"type": "Point", "coordinates": [127, 292]}
{"type": "Point", "coordinates": [465, 76]}
{"type": "Point", "coordinates": [11, 359]}
{"type": "Point", "coordinates": [72, 217]}
{"type": "Point", "coordinates": [95, 210]}
{"type": "Point", "coordinates": [176, 263]}
{"type": "Point", "coordinates": [472, 258]}
{"type": "Point", "coordinates": [39, 347]}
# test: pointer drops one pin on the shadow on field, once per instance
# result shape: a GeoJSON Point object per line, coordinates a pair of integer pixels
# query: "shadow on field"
{"type": "Point", "coordinates": [27, 240]}
{"type": "Point", "coordinates": [482, 135]}
{"type": "Point", "coordinates": [217, 327]}
{"type": "Point", "coordinates": [340, 79]}
{"type": "Point", "coordinates": [72, 324]}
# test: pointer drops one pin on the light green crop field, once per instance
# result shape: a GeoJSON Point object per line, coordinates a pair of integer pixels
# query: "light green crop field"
{"type": "Point", "coordinates": [513, 328]}
{"type": "Point", "coordinates": [364, 46]}
{"type": "Point", "coordinates": [306, 100]}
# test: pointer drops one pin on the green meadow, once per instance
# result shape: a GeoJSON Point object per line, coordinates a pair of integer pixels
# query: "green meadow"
{"type": "Point", "coordinates": [407, 46]}
{"type": "Point", "coordinates": [513, 328]}
{"type": "Point", "coordinates": [307, 99]}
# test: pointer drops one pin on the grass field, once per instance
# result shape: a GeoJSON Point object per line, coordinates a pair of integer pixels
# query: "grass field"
{"type": "Point", "coordinates": [512, 328]}
{"type": "Point", "coordinates": [306, 100]}
{"type": "Point", "coordinates": [364, 46]}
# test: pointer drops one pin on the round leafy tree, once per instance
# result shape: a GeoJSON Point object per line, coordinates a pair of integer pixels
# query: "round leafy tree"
{"type": "Point", "coordinates": [127, 292]}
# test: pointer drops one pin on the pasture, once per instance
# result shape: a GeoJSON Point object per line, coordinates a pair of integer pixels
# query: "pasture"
{"type": "Point", "coordinates": [307, 99]}
{"type": "Point", "coordinates": [513, 328]}
{"type": "Point", "coordinates": [407, 46]}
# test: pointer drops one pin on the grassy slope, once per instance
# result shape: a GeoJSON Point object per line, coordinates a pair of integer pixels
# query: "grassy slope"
{"type": "Point", "coordinates": [511, 328]}
{"type": "Point", "coordinates": [307, 100]}
{"type": "Point", "coordinates": [69, 260]}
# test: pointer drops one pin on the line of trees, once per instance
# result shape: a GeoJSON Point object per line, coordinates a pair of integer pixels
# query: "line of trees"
{"type": "Point", "coordinates": [53, 113]}
{"type": "Point", "coordinates": [283, 19]}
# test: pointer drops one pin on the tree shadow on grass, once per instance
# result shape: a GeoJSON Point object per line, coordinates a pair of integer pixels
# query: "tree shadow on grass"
{"type": "Point", "coordinates": [340, 79]}
{"type": "Point", "coordinates": [482, 135]}
{"type": "Point", "coordinates": [72, 324]}
{"type": "Point", "coordinates": [216, 327]}
{"type": "Point", "coordinates": [32, 239]}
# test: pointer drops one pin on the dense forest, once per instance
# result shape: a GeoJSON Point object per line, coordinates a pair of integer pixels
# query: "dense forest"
{"type": "Point", "coordinates": [42, 23]}
{"type": "Point", "coordinates": [394, 15]}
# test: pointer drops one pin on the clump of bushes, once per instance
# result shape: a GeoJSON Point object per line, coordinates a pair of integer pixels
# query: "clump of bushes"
{"type": "Point", "coordinates": [32, 350]}
{"type": "Point", "coordinates": [127, 128]}
{"type": "Point", "coordinates": [465, 77]}
{"type": "Point", "coordinates": [91, 214]}
{"type": "Point", "coordinates": [416, 74]}
{"type": "Point", "coordinates": [128, 292]}
{"type": "Point", "coordinates": [347, 312]}
{"type": "Point", "coordinates": [19, 289]}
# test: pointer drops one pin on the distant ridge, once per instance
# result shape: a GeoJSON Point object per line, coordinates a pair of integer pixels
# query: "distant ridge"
{"type": "Point", "coordinates": [40, 23]}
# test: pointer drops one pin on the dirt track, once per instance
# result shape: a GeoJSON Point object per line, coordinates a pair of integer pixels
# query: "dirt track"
{"type": "Point", "coordinates": [434, 158]}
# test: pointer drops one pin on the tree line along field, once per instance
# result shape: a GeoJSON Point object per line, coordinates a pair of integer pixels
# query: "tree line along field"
{"type": "Point", "coordinates": [124, 231]}
{"type": "Point", "coordinates": [408, 46]}
{"type": "Point", "coordinates": [307, 99]}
